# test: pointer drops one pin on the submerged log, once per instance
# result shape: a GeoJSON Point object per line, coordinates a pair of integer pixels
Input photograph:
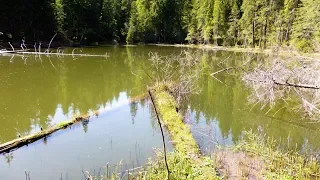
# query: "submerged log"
{"type": "Point", "coordinates": [16, 143]}
{"type": "Point", "coordinates": [21, 141]}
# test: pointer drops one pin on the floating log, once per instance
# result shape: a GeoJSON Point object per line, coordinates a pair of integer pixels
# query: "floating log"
{"type": "Point", "coordinates": [62, 54]}
{"type": "Point", "coordinates": [16, 143]}
{"type": "Point", "coordinates": [46, 53]}
{"type": "Point", "coordinates": [19, 142]}
{"type": "Point", "coordinates": [6, 52]}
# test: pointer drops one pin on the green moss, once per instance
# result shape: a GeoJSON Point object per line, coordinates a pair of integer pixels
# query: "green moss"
{"type": "Point", "coordinates": [64, 124]}
{"type": "Point", "coordinates": [186, 162]}
{"type": "Point", "coordinates": [179, 132]}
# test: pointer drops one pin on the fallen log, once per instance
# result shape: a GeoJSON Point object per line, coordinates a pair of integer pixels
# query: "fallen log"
{"type": "Point", "coordinates": [307, 86]}
{"type": "Point", "coordinates": [62, 54]}
{"type": "Point", "coordinates": [24, 52]}
{"type": "Point", "coordinates": [21, 141]}
{"type": "Point", "coordinates": [17, 143]}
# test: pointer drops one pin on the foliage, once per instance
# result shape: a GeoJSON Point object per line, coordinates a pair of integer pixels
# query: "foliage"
{"type": "Point", "coordinates": [306, 28]}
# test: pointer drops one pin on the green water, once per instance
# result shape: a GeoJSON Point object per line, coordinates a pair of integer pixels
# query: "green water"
{"type": "Point", "coordinates": [40, 91]}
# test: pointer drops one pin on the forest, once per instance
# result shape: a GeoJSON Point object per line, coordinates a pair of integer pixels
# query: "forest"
{"type": "Point", "coordinates": [240, 23]}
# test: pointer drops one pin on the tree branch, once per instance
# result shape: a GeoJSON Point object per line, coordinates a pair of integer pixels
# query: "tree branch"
{"type": "Point", "coordinates": [163, 141]}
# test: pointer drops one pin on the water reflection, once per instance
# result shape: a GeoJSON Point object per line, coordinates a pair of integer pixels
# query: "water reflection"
{"type": "Point", "coordinates": [90, 145]}
{"type": "Point", "coordinates": [39, 91]}
{"type": "Point", "coordinates": [42, 93]}
{"type": "Point", "coordinates": [223, 107]}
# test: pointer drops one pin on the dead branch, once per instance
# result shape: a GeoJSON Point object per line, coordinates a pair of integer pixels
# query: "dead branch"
{"type": "Point", "coordinates": [281, 81]}
{"type": "Point", "coordinates": [27, 175]}
{"type": "Point", "coordinates": [11, 46]}
{"type": "Point", "coordinates": [296, 85]}
{"type": "Point", "coordinates": [163, 140]}
{"type": "Point", "coordinates": [51, 42]}
{"type": "Point", "coordinates": [44, 53]}
{"type": "Point", "coordinates": [181, 71]}
{"type": "Point", "coordinates": [222, 70]}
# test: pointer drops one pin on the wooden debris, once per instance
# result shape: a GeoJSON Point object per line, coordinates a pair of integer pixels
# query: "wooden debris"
{"type": "Point", "coordinates": [16, 143]}
{"type": "Point", "coordinates": [21, 141]}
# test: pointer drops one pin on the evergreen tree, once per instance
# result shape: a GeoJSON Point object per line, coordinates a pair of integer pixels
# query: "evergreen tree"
{"type": "Point", "coordinates": [248, 22]}
{"type": "Point", "coordinates": [262, 23]}
{"type": "Point", "coordinates": [219, 20]}
{"type": "Point", "coordinates": [32, 21]}
{"type": "Point", "coordinates": [234, 30]}
{"type": "Point", "coordinates": [288, 15]}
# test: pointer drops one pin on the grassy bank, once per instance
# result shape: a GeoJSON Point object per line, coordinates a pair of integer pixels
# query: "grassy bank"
{"type": "Point", "coordinates": [186, 161]}
{"type": "Point", "coordinates": [253, 157]}
{"type": "Point", "coordinates": [278, 163]}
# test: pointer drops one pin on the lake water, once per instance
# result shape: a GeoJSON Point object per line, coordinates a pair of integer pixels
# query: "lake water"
{"type": "Point", "coordinates": [40, 91]}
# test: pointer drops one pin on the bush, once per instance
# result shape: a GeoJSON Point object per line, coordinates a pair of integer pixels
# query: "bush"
{"type": "Point", "coordinates": [304, 45]}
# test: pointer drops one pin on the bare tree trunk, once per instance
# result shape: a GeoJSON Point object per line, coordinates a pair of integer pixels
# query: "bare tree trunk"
{"type": "Point", "coordinates": [253, 28]}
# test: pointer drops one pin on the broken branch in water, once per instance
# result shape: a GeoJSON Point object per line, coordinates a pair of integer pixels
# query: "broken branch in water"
{"type": "Point", "coordinates": [287, 79]}
{"type": "Point", "coordinates": [44, 53]}
{"type": "Point", "coordinates": [50, 43]}
{"type": "Point", "coordinates": [296, 85]}
{"type": "Point", "coordinates": [222, 70]}
{"type": "Point", "coordinates": [163, 141]}
{"type": "Point", "coordinates": [11, 46]}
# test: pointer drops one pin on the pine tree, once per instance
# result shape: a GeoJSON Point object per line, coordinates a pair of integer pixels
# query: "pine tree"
{"type": "Point", "coordinates": [288, 15]}
{"type": "Point", "coordinates": [233, 31]}
{"type": "Point", "coordinates": [219, 20]}
{"type": "Point", "coordinates": [248, 22]}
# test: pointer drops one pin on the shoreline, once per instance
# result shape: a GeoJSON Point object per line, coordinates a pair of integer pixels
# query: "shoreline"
{"type": "Point", "coordinates": [281, 51]}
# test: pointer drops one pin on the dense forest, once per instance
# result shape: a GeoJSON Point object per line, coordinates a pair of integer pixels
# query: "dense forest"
{"type": "Point", "coordinates": [243, 23]}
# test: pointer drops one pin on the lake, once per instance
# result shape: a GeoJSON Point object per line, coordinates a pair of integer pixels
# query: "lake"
{"type": "Point", "coordinates": [41, 91]}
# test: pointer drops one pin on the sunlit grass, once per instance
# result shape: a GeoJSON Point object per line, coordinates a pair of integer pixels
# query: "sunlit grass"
{"type": "Point", "coordinates": [186, 162]}
{"type": "Point", "coordinates": [279, 164]}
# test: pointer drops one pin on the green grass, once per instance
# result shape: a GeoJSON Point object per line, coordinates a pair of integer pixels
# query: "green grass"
{"type": "Point", "coordinates": [185, 162]}
{"type": "Point", "coordinates": [181, 167]}
{"type": "Point", "coordinates": [279, 164]}
{"type": "Point", "coordinates": [179, 132]}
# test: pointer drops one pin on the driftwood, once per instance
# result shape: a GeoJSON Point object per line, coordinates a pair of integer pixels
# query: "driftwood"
{"type": "Point", "coordinates": [46, 53]}
{"type": "Point", "coordinates": [17, 143]}
{"type": "Point", "coordinates": [284, 80]}
{"type": "Point", "coordinates": [62, 54]}
{"type": "Point", "coordinates": [307, 86]}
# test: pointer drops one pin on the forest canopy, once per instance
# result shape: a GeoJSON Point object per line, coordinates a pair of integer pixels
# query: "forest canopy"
{"type": "Point", "coordinates": [244, 23]}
